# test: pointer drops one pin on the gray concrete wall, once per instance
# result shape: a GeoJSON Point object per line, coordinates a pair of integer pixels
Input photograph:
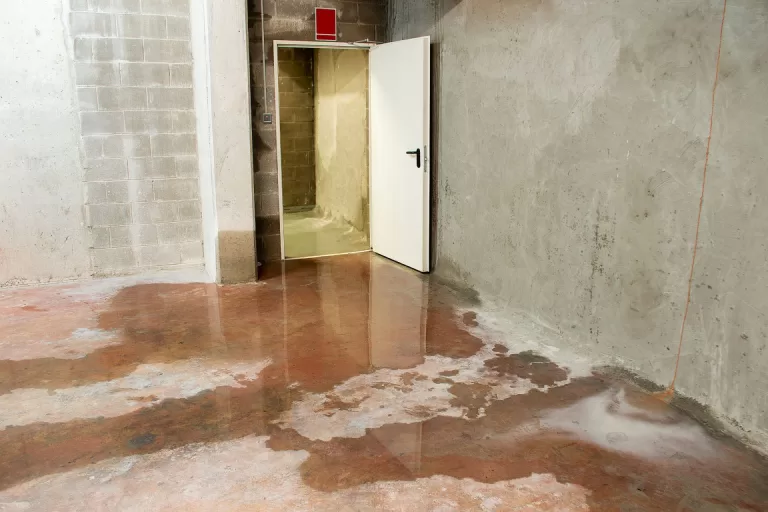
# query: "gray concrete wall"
{"type": "Point", "coordinates": [570, 144]}
{"type": "Point", "coordinates": [41, 215]}
{"type": "Point", "coordinates": [222, 99]}
{"type": "Point", "coordinates": [341, 132]}
{"type": "Point", "coordinates": [291, 20]}
{"type": "Point", "coordinates": [296, 79]}
{"type": "Point", "coordinates": [100, 167]}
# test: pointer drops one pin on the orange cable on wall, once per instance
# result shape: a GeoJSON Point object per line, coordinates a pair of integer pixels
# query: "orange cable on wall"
{"type": "Point", "coordinates": [671, 389]}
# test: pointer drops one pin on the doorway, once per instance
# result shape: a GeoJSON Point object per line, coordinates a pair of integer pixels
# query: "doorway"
{"type": "Point", "coordinates": [322, 103]}
{"type": "Point", "coordinates": [353, 149]}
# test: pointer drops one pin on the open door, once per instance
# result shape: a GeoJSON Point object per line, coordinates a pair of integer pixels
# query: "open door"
{"type": "Point", "coordinates": [399, 144]}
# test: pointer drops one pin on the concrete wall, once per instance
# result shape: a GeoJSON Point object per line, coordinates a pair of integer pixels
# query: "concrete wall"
{"type": "Point", "coordinates": [41, 214]}
{"type": "Point", "coordinates": [341, 103]}
{"type": "Point", "coordinates": [222, 97]}
{"type": "Point", "coordinates": [296, 80]}
{"type": "Point", "coordinates": [291, 20]}
{"type": "Point", "coordinates": [570, 149]}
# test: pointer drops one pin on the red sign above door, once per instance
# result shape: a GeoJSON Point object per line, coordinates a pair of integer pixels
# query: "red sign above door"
{"type": "Point", "coordinates": [325, 24]}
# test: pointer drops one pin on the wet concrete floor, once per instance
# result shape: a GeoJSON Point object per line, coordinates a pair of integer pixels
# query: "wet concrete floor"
{"type": "Point", "coordinates": [345, 383]}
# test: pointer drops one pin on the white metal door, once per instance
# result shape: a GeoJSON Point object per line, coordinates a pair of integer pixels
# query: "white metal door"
{"type": "Point", "coordinates": [399, 144]}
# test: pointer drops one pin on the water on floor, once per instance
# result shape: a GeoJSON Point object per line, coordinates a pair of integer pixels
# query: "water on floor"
{"type": "Point", "coordinates": [345, 383]}
{"type": "Point", "coordinates": [309, 233]}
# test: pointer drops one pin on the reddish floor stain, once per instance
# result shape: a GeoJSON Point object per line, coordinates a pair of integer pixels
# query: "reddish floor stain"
{"type": "Point", "coordinates": [33, 308]}
{"type": "Point", "coordinates": [528, 365]}
{"type": "Point", "coordinates": [321, 323]}
{"type": "Point", "coordinates": [473, 397]}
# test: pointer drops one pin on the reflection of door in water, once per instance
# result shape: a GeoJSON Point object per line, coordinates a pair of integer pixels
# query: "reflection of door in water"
{"type": "Point", "coordinates": [398, 316]}
{"type": "Point", "coordinates": [398, 303]}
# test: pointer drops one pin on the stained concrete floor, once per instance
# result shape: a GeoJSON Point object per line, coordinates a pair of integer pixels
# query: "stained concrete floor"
{"type": "Point", "coordinates": [344, 383]}
{"type": "Point", "coordinates": [309, 233]}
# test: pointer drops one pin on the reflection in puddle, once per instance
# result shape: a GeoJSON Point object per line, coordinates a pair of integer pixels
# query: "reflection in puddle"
{"type": "Point", "coordinates": [337, 383]}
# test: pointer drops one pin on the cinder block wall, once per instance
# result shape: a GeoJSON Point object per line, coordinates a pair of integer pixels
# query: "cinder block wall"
{"type": "Point", "coordinates": [133, 67]}
{"type": "Point", "coordinates": [297, 125]}
{"type": "Point", "coordinates": [291, 20]}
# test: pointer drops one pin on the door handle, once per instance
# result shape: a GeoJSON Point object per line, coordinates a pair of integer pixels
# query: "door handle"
{"type": "Point", "coordinates": [416, 152]}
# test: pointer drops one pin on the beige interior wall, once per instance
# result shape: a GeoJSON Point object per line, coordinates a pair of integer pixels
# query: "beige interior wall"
{"type": "Point", "coordinates": [341, 134]}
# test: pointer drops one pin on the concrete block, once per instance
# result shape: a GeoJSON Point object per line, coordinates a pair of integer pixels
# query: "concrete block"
{"type": "Point", "coordinates": [268, 204]}
{"type": "Point", "coordinates": [257, 76]}
{"type": "Point", "coordinates": [179, 232]}
{"type": "Point", "coordinates": [113, 258]}
{"type": "Point", "coordinates": [99, 193]}
{"type": "Point", "coordinates": [92, 24]}
{"type": "Point", "coordinates": [117, 191]}
{"type": "Point", "coordinates": [181, 75]}
{"type": "Point", "coordinates": [120, 236]}
{"type": "Point", "coordinates": [158, 167]}
{"type": "Point", "coordinates": [122, 98]}
{"type": "Point", "coordinates": [97, 74]}
{"type": "Point", "coordinates": [268, 248]}
{"type": "Point", "coordinates": [88, 98]}
{"type": "Point", "coordinates": [174, 144]}
{"type": "Point", "coordinates": [83, 48]}
{"type": "Point", "coordinates": [92, 146]}
{"type": "Point", "coordinates": [127, 146]}
{"type": "Point", "coordinates": [170, 7]}
{"type": "Point", "coordinates": [372, 13]}
{"type": "Point", "coordinates": [144, 234]}
{"type": "Point", "coordinates": [131, 50]}
{"type": "Point", "coordinates": [294, 68]}
{"type": "Point", "coordinates": [178, 28]}
{"type": "Point", "coordinates": [268, 225]}
{"type": "Point", "coordinates": [145, 74]}
{"type": "Point", "coordinates": [78, 5]}
{"type": "Point", "coordinates": [351, 32]}
{"type": "Point", "coordinates": [95, 193]}
{"type": "Point", "coordinates": [171, 98]}
{"type": "Point", "coordinates": [152, 213]}
{"type": "Point", "coordinates": [295, 99]}
{"type": "Point", "coordinates": [94, 123]}
{"type": "Point", "coordinates": [176, 189]}
{"type": "Point", "coordinates": [348, 13]}
{"type": "Point", "coordinates": [116, 6]}
{"type": "Point", "coordinates": [191, 252]}
{"type": "Point", "coordinates": [165, 50]}
{"type": "Point", "coordinates": [141, 26]}
{"type": "Point", "coordinates": [105, 169]}
{"type": "Point", "coordinates": [159, 255]}
{"type": "Point", "coordinates": [254, 9]}
{"type": "Point", "coordinates": [188, 210]}
{"type": "Point", "coordinates": [266, 183]}
{"type": "Point", "coordinates": [304, 114]}
{"type": "Point", "coordinates": [184, 121]}
{"type": "Point", "coordinates": [108, 214]}
{"type": "Point", "coordinates": [98, 238]}
{"type": "Point", "coordinates": [187, 167]}
{"type": "Point", "coordinates": [304, 144]}
{"type": "Point", "coordinates": [141, 191]}
{"type": "Point", "coordinates": [148, 122]}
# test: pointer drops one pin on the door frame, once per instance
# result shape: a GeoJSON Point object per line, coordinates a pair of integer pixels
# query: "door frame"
{"type": "Point", "coordinates": [306, 44]}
